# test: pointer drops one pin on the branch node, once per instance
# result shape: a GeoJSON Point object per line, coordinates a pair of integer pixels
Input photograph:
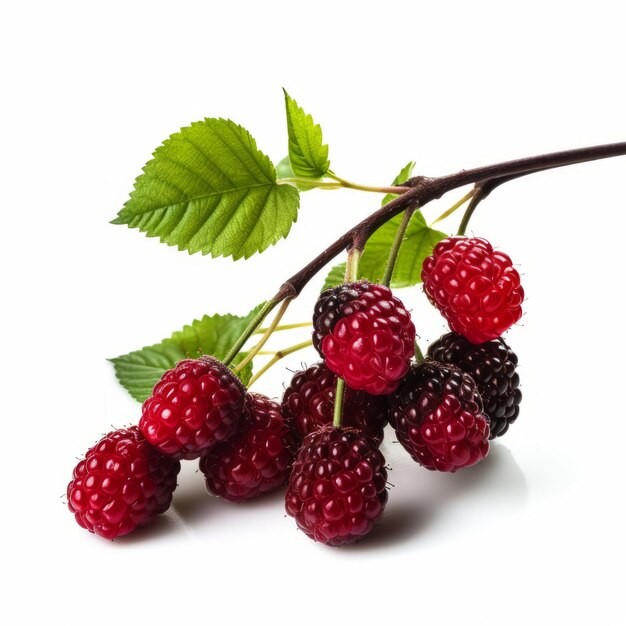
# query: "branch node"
{"type": "Point", "coordinates": [286, 292]}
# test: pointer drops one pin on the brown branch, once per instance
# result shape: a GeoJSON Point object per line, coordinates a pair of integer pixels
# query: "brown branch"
{"type": "Point", "coordinates": [424, 190]}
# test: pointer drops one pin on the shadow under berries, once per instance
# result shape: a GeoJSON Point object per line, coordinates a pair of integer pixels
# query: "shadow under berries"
{"type": "Point", "coordinates": [163, 525]}
{"type": "Point", "coordinates": [413, 507]}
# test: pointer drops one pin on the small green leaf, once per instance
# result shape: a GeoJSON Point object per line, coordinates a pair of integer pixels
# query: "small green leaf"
{"type": "Point", "coordinates": [335, 276]}
{"type": "Point", "coordinates": [139, 371]}
{"type": "Point", "coordinates": [283, 170]}
{"type": "Point", "coordinates": [307, 154]}
{"type": "Point", "coordinates": [405, 173]}
{"type": "Point", "coordinates": [210, 189]}
{"type": "Point", "coordinates": [419, 241]}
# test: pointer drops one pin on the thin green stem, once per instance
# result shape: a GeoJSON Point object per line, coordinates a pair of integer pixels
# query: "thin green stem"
{"type": "Point", "coordinates": [265, 337]}
{"type": "Point", "coordinates": [338, 402]}
{"type": "Point", "coordinates": [471, 207]}
{"type": "Point", "coordinates": [468, 196]}
{"type": "Point", "coordinates": [252, 326]}
{"type": "Point", "coordinates": [281, 354]}
{"type": "Point", "coordinates": [261, 331]}
{"type": "Point", "coordinates": [395, 248]}
{"type": "Point", "coordinates": [395, 189]}
{"type": "Point", "coordinates": [310, 182]}
{"type": "Point", "coordinates": [419, 355]}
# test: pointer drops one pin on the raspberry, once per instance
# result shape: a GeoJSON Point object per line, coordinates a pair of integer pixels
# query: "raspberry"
{"type": "Point", "coordinates": [337, 487]}
{"type": "Point", "coordinates": [476, 289]}
{"type": "Point", "coordinates": [309, 401]}
{"type": "Point", "coordinates": [437, 414]}
{"type": "Point", "coordinates": [492, 366]}
{"type": "Point", "coordinates": [365, 335]}
{"type": "Point", "coordinates": [122, 483]}
{"type": "Point", "coordinates": [192, 407]}
{"type": "Point", "coordinates": [255, 460]}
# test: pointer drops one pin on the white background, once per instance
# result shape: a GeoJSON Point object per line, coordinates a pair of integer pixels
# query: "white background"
{"type": "Point", "coordinates": [535, 533]}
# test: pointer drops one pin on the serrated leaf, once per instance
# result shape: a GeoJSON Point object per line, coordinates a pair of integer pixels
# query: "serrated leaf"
{"type": "Point", "coordinates": [209, 189]}
{"type": "Point", "coordinates": [138, 371]}
{"type": "Point", "coordinates": [307, 153]}
{"type": "Point", "coordinates": [418, 243]}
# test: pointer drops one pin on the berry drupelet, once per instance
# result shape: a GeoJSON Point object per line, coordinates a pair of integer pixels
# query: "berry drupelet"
{"type": "Point", "coordinates": [365, 335]}
{"type": "Point", "coordinates": [194, 406]}
{"type": "Point", "coordinates": [122, 483]}
{"type": "Point", "coordinates": [256, 459]}
{"type": "Point", "coordinates": [492, 365]}
{"type": "Point", "coordinates": [476, 289]}
{"type": "Point", "coordinates": [438, 418]}
{"type": "Point", "coordinates": [337, 490]}
{"type": "Point", "coordinates": [309, 401]}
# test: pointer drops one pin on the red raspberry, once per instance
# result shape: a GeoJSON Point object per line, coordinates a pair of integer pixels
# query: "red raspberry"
{"type": "Point", "coordinates": [255, 460]}
{"type": "Point", "coordinates": [476, 289]}
{"type": "Point", "coordinates": [309, 402]}
{"type": "Point", "coordinates": [437, 414]}
{"type": "Point", "coordinates": [337, 487]}
{"type": "Point", "coordinates": [365, 335]}
{"type": "Point", "coordinates": [122, 484]}
{"type": "Point", "coordinates": [192, 407]}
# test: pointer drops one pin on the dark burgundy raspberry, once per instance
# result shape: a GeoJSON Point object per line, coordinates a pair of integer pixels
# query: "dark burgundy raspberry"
{"type": "Point", "coordinates": [437, 414]}
{"type": "Point", "coordinates": [365, 335]}
{"type": "Point", "coordinates": [337, 486]}
{"type": "Point", "coordinates": [492, 365]}
{"type": "Point", "coordinates": [476, 289]}
{"type": "Point", "coordinates": [309, 401]}
{"type": "Point", "coordinates": [255, 460]}
{"type": "Point", "coordinates": [193, 406]}
{"type": "Point", "coordinates": [122, 483]}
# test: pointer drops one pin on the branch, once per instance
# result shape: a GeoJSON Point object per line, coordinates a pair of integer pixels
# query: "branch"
{"type": "Point", "coordinates": [424, 190]}
{"type": "Point", "coordinates": [481, 191]}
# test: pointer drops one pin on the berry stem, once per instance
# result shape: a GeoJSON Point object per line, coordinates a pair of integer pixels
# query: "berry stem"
{"type": "Point", "coordinates": [468, 196]}
{"type": "Point", "coordinates": [419, 355]}
{"type": "Point", "coordinates": [250, 330]}
{"type": "Point", "coordinates": [471, 207]}
{"type": "Point", "coordinates": [281, 354]}
{"type": "Point", "coordinates": [266, 335]}
{"type": "Point", "coordinates": [352, 272]}
{"type": "Point", "coordinates": [352, 266]}
{"type": "Point", "coordinates": [395, 247]}
{"type": "Point", "coordinates": [338, 402]}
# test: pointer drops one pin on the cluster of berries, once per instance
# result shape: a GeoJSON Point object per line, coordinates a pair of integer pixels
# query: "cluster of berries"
{"type": "Point", "coordinates": [444, 410]}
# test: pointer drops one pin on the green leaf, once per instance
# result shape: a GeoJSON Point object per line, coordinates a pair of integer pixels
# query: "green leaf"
{"type": "Point", "coordinates": [418, 243]}
{"type": "Point", "coordinates": [283, 170]}
{"type": "Point", "coordinates": [405, 173]}
{"type": "Point", "coordinates": [307, 154]}
{"type": "Point", "coordinates": [139, 371]}
{"type": "Point", "coordinates": [209, 189]}
{"type": "Point", "coordinates": [335, 276]}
